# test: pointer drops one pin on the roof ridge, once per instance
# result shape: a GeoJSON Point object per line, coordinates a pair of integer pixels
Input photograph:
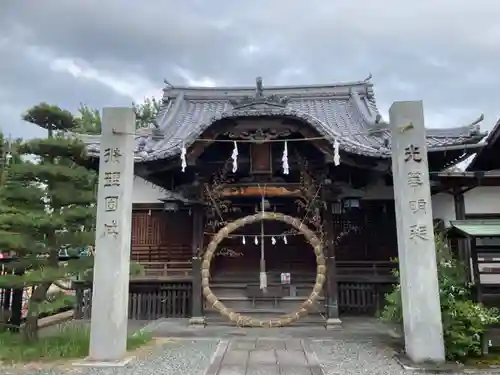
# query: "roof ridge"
{"type": "Point", "coordinates": [170, 89]}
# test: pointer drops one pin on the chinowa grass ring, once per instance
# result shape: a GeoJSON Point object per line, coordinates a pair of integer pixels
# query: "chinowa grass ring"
{"type": "Point", "coordinates": [247, 321]}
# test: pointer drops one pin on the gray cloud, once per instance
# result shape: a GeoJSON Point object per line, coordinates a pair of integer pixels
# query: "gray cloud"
{"type": "Point", "coordinates": [443, 52]}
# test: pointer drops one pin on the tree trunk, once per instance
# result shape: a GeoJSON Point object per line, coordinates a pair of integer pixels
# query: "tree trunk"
{"type": "Point", "coordinates": [30, 329]}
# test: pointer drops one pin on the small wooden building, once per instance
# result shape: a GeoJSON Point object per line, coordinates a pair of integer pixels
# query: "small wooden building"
{"type": "Point", "coordinates": [337, 155]}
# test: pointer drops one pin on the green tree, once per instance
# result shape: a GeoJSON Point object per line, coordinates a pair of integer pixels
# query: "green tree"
{"type": "Point", "coordinates": [8, 153]}
{"type": "Point", "coordinates": [47, 203]}
{"type": "Point", "coordinates": [146, 113]}
{"type": "Point", "coordinates": [88, 120]}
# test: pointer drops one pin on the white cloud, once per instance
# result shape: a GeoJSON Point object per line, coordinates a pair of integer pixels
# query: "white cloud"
{"type": "Point", "coordinates": [191, 80]}
{"type": "Point", "coordinates": [133, 86]}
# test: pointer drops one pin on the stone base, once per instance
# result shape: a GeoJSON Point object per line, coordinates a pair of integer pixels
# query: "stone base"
{"type": "Point", "coordinates": [333, 323]}
{"type": "Point", "coordinates": [197, 321]}
{"type": "Point", "coordinates": [89, 362]}
{"type": "Point", "coordinates": [428, 367]}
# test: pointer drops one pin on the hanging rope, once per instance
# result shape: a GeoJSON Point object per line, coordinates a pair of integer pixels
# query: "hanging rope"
{"type": "Point", "coordinates": [183, 158]}
{"type": "Point", "coordinates": [284, 159]}
{"type": "Point", "coordinates": [234, 156]}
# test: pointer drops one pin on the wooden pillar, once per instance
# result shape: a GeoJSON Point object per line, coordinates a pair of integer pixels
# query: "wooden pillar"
{"type": "Point", "coordinates": [197, 315]}
{"type": "Point", "coordinates": [476, 279]}
{"type": "Point", "coordinates": [463, 244]}
{"type": "Point", "coordinates": [331, 295]}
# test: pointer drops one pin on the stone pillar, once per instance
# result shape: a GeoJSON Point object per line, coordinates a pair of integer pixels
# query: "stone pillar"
{"type": "Point", "coordinates": [197, 315]}
{"type": "Point", "coordinates": [109, 320]}
{"type": "Point", "coordinates": [332, 305]}
{"type": "Point", "coordinates": [416, 247]}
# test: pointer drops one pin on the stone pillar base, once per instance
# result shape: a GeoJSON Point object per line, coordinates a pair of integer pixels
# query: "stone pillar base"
{"type": "Point", "coordinates": [197, 321]}
{"type": "Point", "coordinates": [333, 323]}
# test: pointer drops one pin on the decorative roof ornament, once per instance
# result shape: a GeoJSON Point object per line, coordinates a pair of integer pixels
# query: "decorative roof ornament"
{"type": "Point", "coordinates": [475, 127]}
{"type": "Point", "coordinates": [367, 79]}
{"type": "Point", "coordinates": [260, 98]}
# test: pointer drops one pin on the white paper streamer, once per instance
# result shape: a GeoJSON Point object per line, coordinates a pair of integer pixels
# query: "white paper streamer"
{"type": "Point", "coordinates": [243, 241]}
{"type": "Point", "coordinates": [285, 240]}
{"type": "Point", "coordinates": [183, 158]}
{"type": "Point", "coordinates": [256, 240]}
{"type": "Point", "coordinates": [263, 280]}
{"type": "Point", "coordinates": [284, 159]}
{"type": "Point", "coordinates": [234, 156]}
{"type": "Point", "coordinates": [336, 155]}
{"type": "Point", "coordinates": [273, 240]}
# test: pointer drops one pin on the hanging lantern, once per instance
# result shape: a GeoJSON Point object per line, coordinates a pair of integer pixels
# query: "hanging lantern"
{"type": "Point", "coordinates": [234, 156]}
{"type": "Point", "coordinates": [256, 240]}
{"type": "Point", "coordinates": [273, 240]}
{"type": "Point", "coordinates": [284, 159]}
{"type": "Point", "coordinates": [336, 155]}
{"type": "Point", "coordinates": [183, 158]}
{"type": "Point", "coordinates": [243, 241]}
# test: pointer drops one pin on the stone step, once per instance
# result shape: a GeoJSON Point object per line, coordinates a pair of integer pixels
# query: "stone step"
{"type": "Point", "coordinates": [214, 318]}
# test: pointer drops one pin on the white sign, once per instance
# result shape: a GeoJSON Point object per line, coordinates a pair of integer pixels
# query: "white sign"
{"type": "Point", "coordinates": [285, 278]}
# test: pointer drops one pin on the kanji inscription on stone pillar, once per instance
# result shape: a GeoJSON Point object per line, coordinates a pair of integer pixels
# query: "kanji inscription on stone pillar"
{"type": "Point", "coordinates": [416, 247]}
{"type": "Point", "coordinates": [113, 236]}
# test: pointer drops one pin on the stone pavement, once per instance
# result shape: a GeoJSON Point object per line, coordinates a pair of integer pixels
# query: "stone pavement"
{"type": "Point", "coordinates": [361, 346]}
{"type": "Point", "coordinates": [264, 356]}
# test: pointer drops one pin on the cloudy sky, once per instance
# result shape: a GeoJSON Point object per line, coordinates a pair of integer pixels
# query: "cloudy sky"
{"type": "Point", "coordinates": [110, 52]}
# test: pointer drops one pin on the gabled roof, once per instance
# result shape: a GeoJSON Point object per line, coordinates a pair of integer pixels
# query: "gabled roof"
{"type": "Point", "coordinates": [345, 112]}
{"type": "Point", "coordinates": [488, 158]}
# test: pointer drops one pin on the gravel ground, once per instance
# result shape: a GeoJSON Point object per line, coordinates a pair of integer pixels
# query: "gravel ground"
{"type": "Point", "coordinates": [344, 357]}
{"type": "Point", "coordinates": [179, 357]}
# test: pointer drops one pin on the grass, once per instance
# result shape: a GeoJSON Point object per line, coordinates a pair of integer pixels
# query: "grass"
{"type": "Point", "coordinates": [490, 359]}
{"type": "Point", "coordinates": [68, 342]}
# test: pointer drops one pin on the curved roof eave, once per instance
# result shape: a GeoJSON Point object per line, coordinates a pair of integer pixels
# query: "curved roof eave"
{"type": "Point", "coordinates": [345, 143]}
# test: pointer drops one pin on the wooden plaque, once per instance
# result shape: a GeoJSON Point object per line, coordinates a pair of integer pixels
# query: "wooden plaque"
{"type": "Point", "coordinates": [261, 158]}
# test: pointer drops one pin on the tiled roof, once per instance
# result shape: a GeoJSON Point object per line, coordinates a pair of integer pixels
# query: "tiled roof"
{"type": "Point", "coordinates": [343, 112]}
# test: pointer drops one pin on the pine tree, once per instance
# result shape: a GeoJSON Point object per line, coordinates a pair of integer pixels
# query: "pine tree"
{"type": "Point", "coordinates": [47, 203]}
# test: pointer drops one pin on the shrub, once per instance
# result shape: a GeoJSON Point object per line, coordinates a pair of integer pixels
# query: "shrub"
{"type": "Point", "coordinates": [464, 321]}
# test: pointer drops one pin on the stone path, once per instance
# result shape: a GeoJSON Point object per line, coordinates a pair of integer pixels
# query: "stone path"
{"type": "Point", "coordinates": [264, 356]}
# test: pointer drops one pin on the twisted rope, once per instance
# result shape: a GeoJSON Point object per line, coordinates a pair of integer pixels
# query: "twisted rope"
{"type": "Point", "coordinates": [247, 321]}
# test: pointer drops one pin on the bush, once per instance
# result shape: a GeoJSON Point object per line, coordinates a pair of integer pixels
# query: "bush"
{"type": "Point", "coordinates": [70, 341]}
{"type": "Point", "coordinates": [464, 321]}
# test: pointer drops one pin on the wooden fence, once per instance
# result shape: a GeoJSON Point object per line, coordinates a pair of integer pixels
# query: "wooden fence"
{"type": "Point", "coordinates": [159, 270]}
{"type": "Point", "coordinates": [362, 298]}
{"type": "Point", "coordinates": [148, 300]}
{"type": "Point", "coordinates": [11, 301]}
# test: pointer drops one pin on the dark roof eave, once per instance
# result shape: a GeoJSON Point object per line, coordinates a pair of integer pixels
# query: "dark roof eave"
{"type": "Point", "coordinates": [490, 141]}
{"type": "Point", "coordinates": [457, 147]}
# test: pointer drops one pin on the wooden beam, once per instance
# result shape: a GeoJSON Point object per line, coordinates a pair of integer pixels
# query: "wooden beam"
{"type": "Point", "coordinates": [257, 191]}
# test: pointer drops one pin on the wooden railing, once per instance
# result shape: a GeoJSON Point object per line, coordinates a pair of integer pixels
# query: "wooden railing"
{"type": "Point", "coordinates": [148, 300]}
{"type": "Point", "coordinates": [159, 270]}
{"type": "Point", "coordinates": [375, 271]}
